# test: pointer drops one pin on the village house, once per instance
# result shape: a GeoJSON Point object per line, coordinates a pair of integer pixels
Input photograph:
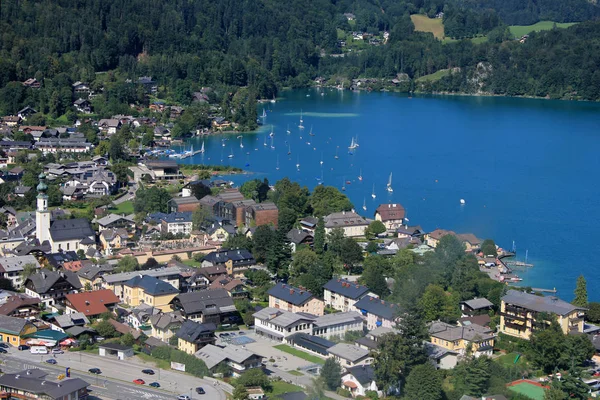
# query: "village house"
{"type": "Point", "coordinates": [441, 357]}
{"type": "Point", "coordinates": [475, 338]}
{"type": "Point", "coordinates": [235, 261]}
{"type": "Point", "coordinates": [471, 242]}
{"type": "Point", "coordinates": [476, 306]}
{"type": "Point", "coordinates": [32, 83]}
{"type": "Point", "coordinates": [91, 275]}
{"type": "Point", "coordinates": [35, 384]}
{"type": "Point", "coordinates": [139, 317]}
{"type": "Point", "coordinates": [205, 306]}
{"type": "Point", "coordinates": [114, 221]}
{"type": "Point", "coordinates": [116, 282]}
{"type": "Point", "coordinates": [53, 145]}
{"type": "Point", "coordinates": [350, 222]}
{"type": "Point", "coordinates": [349, 355]}
{"type": "Point", "coordinates": [433, 238]}
{"type": "Point", "coordinates": [64, 322]}
{"type": "Point", "coordinates": [11, 268]}
{"type": "Point", "coordinates": [164, 325]}
{"type": "Point", "coordinates": [360, 379]}
{"type": "Point", "coordinates": [91, 304]}
{"type": "Point", "coordinates": [174, 223]}
{"type": "Point", "coordinates": [405, 231]}
{"type": "Point", "coordinates": [235, 287]}
{"type": "Point", "coordinates": [238, 359]}
{"type": "Point", "coordinates": [377, 312]}
{"type": "Point", "coordinates": [52, 287]}
{"type": "Point", "coordinates": [294, 299]}
{"type": "Point", "coordinates": [276, 324]}
{"type": "Point", "coordinates": [309, 224]}
{"type": "Point", "coordinates": [193, 336]}
{"type": "Point", "coordinates": [521, 313]}
{"type": "Point", "coordinates": [83, 106]}
{"type": "Point", "coordinates": [109, 126]}
{"type": "Point", "coordinates": [372, 339]}
{"type": "Point", "coordinates": [391, 215]}
{"type": "Point", "coordinates": [262, 214]}
{"type": "Point", "coordinates": [21, 306]}
{"type": "Point", "coordinates": [81, 89]}
{"type": "Point", "coordinates": [298, 237]}
{"type": "Point", "coordinates": [220, 123]}
{"type": "Point", "coordinates": [113, 240]}
{"type": "Point", "coordinates": [183, 204]}
{"type": "Point", "coordinates": [341, 294]}
{"type": "Point", "coordinates": [11, 120]}
{"type": "Point", "coordinates": [13, 330]}
{"type": "Point", "coordinates": [149, 290]}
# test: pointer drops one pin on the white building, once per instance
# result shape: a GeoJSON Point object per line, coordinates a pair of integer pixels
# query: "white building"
{"type": "Point", "coordinates": [358, 380]}
{"type": "Point", "coordinates": [277, 324]}
{"type": "Point", "coordinates": [349, 355]}
{"type": "Point", "coordinates": [341, 294]}
{"type": "Point", "coordinates": [11, 268]}
{"type": "Point", "coordinates": [337, 324]}
{"type": "Point", "coordinates": [350, 222]}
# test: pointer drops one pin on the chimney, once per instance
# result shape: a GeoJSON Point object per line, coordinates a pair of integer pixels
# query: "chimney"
{"type": "Point", "coordinates": [302, 292]}
{"type": "Point", "coordinates": [291, 291]}
{"type": "Point", "coordinates": [339, 279]}
{"type": "Point", "coordinates": [382, 302]}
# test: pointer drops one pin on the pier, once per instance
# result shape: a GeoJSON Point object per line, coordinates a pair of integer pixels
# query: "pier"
{"type": "Point", "coordinates": [544, 290]}
{"type": "Point", "coordinates": [191, 154]}
{"type": "Point", "coordinates": [518, 264]}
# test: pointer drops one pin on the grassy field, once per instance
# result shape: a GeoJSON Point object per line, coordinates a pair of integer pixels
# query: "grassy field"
{"type": "Point", "coordinates": [192, 263]}
{"type": "Point", "coordinates": [280, 387]}
{"type": "Point", "coordinates": [295, 373]}
{"type": "Point", "coordinates": [125, 207]}
{"type": "Point", "coordinates": [425, 24]}
{"type": "Point", "coordinates": [519, 30]}
{"type": "Point", "coordinates": [436, 76]}
{"type": "Point", "coordinates": [298, 353]}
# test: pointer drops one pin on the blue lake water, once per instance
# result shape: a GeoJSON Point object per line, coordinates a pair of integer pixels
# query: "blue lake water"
{"type": "Point", "coordinates": [527, 169]}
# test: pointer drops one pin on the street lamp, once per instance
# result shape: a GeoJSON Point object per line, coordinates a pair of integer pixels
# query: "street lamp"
{"type": "Point", "coordinates": [191, 393]}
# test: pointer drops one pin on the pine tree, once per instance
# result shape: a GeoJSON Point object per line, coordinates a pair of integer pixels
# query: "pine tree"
{"type": "Point", "coordinates": [581, 296]}
{"type": "Point", "coordinates": [331, 373]}
{"type": "Point", "coordinates": [423, 383]}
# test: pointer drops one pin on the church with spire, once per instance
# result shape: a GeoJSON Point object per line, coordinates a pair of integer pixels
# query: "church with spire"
{"type": "Point", "coordinates": [60, 234]}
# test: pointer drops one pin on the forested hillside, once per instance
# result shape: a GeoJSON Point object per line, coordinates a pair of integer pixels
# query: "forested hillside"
{"type": "Point", "coordinates": [266, 44]}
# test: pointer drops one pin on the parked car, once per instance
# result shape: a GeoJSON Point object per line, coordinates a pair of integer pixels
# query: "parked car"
{"type": "Point", "coordinates": [139, 381]}
{"type": "Point", "coordinates": [148, 372]}
{"type": "Point", "coordinates": [57, 351]}
{"type": "Point", "coordinates": [23, 347]}
{"type": "Point", "coordinates": [94, 371]}
{"type": "Point", "coordinates": [4, 345]}
{"type": "Point", "coordinates": [3, 351]}
{"type": "Point", "coordinates": [200, 390]}
{"type": "Point", "coordinates": [52, 361]}
{"type": "Point", "coordinates": [241, 333]}
{"type": "Point", "coordinates": [183, 397]}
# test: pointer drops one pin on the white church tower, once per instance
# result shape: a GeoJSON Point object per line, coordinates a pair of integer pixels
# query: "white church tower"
{"type": "Point", "coordinates": [42, 215]}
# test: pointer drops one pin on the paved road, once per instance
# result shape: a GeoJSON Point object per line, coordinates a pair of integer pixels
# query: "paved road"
{"type": "Point", "coordinates": [117, 376]}
{"type": "Point", "coordinates": [129, 196]}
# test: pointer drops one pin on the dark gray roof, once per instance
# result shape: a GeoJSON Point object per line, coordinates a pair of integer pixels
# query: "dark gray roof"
{"type": "Point", "coordinates": [12, 324]}
{"type": "Point", "coordinates": [115, 346]}
{"type": "Point", "coordinates": [310, 342]}
{"type": "Point", "coordinates": [43, 281]}
{"type": "Point", "coordinates": [549, 304]}
{"type": "Point", "coordinates": [71, 229]}
{"type": "Point", "coordinates": [33, 381]}
{"type": "Point", "coordinates": [378, 307]}
{"type": "Point", "coordinates": [297, 236]}
{"type": "Point", "coordinates": [191, 331]}
{"type": "Point", "coordinates": [93, 270]}
{"type": "Point", "coordinates": [151, 285]}
{"type": "Point", "coordinates": [365, 374]}
{"type": "Point", "coordinates": [237, 256]}
{"type": "Point", "coordinates": [290, 294]}
{"type": "Point", "coordinates": [212, 301]}
{"type": "Point", "coordinates": [478, 303]}
{"type": "Point", "coordinates": [346, 288]}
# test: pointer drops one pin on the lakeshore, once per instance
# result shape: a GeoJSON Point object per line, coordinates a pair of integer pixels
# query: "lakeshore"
{"type": "Point", "coordinates": [513, 189]}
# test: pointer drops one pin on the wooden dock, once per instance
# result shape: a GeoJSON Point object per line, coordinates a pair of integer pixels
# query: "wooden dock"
{"type": "Point", "coordinates": [544, 290]}
{"type": "Point", "coordinates": [518, 264]}
{"type": "Point", "coordinates": [186, 155]}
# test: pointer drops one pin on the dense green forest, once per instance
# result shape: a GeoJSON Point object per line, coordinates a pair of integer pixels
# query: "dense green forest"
{"type": "Point", "coordinates": [265, 45]}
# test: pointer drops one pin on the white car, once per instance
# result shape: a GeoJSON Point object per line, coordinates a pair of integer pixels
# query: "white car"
{"type": "Point", "coordinates": [184, 397]}
{"type": "Point", "coordinates": [57, 351]}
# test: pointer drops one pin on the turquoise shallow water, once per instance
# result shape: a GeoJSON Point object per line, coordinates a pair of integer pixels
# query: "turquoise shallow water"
{"type": "Point", "coordinates": [527, 169]}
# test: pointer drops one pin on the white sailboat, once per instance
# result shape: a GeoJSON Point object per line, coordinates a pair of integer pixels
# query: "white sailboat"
{"type": "Point", "coordinates": [389, 184]}
{"type": "Point", "coordinates": [264, 114]}
{"type": "Point", "coordinates": [310, 133]}
{"type": "Point", "coordinates": [321, 162]}
{"type": "Point", "coordinates": [277, 167]}
{"type": "Point", "coordinates": [298, 162]}
{"type": "Point", "coordinates": [343, 184]}
{"type": "Point", "coordinates": [353, 144]}
{"type": "Point", "coordinates": [289, 149]}
{"type": "Point", "coordinates": [301, 121]}
{"type": "Point", "coordinates": [230, 155]}
{"type": "Point", "coordinates": [265, 142]}
{"type": "Point", "coordinates": [272, 133]}
{"type": "Point", "coordinates": [364, 204]}
{"type": "Point", "coordinates": [373, 194]}
{"type": "Point", "coordinates": [336, 151]}
{"type": "Point", "coordinates": [241, 142]}
{"type": "Point", "coordinates": [202, 148]}
{"type": "Point", "coordinates": [360, 175]}
{"type": "Point", "coordinates": [288, 130]}
{"type": "Point", "coordinates": [223, 142]}
{"type": "Point", "coordinates": [272, 143]}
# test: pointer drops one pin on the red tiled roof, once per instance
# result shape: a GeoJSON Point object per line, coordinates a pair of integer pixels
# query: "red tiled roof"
{"type": "Point", "coordinates": [73, 266]}
{"type": "Point", "coordinates": [390, 212]}
{"type": "Point", "coordinates": [440, 233]}
{"type": "Point", "coordinates": [92, 303]}
{"type": "Point", "coordinates": [350, 384]}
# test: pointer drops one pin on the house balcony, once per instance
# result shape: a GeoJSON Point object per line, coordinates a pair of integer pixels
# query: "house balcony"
{"type": "Point", "coordinates": [514, 316]}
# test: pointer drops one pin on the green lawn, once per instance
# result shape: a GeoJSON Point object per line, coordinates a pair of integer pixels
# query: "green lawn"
{"type": "Point", "coordinates": [425, 24]}
{"type": "Point", "coordinates": [125, 207]}
{"type": "Point", "coordinates": [295, 373]}
{"type": "Point", "coordinates": [509, 359]}
{"type": "Point", "coordinates": [162, 364]}
{"type": "Point", "coordinates": [520, 30]}
{"type": "Point", "coordinates": [298, 353]}
{"type": "Point", "coordinates": [436, 76]}
{"type": "Point", "coordinates": [192, 263]}
{"type": "Point", "coordinates": [281, 387]}
{"type": "Point", "coordinates": [530, 390]}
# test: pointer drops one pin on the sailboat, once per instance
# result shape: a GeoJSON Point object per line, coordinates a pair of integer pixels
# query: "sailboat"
{"type": "Point", "coordinates": [272, 145]}
{"type": "Point", "coordinates": [364, 204]}
{"type": "Point", "coordinates": [321, 162]}
{"type": "Point", "coordinates": [289, 149]}
{"type": "Point", "coordinates": [389, 184]}
{"type": "Point", "coordinates": [343, 184]}
{"type": "Point", "coordinates": [230, 155]}
{"type": "Point", "coordinates": [310, 133]}
{"type": "Point", "coordinates": [264, 114]}
{"type": "Point", "coordinates": [277, 167]}
{"type": "Point", "coordinates": [288, 129]}
{"type": "Point", "coordinates": [223, 142]}
{"type": "Point", "coordinates": [298, 163]}
{"type": "Point", "coordinates": [241, 142]}
{"type": "Point", "coordinates": [301, 121]}
{"type": "Point", "coordinates": [271, 134]}
{"type": "Point", "coordinates": [373, 194]}
{"type": "Point", "coordinates": [353, 144]}
{"type": "Point", "coordinates": [202, 148]}
{"type": "Point", "coordinates": [336, 151]}
{"type": "Point", "coordinates": [360, 175]}
{"type": "Point", "coordinates": [273, 101]}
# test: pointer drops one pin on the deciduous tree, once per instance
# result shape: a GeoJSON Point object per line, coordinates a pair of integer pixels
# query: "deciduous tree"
{"type": "Point", "coordinates": [423, 383]}
{"type": "Point", "coordinates": [331, 373]}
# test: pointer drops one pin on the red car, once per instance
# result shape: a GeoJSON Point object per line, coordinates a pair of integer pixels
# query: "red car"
{"type": "Point", "coordinates": [138, 381]}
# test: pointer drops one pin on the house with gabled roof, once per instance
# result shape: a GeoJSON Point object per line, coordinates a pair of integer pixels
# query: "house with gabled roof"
{"type": "Point", "coordinates": [237, 358]}
{"type": "Point", "coordinates": [149, 290]}
{"type": "Point", "coordinates": [360, 379]}
{"type": "Point", "coordinates": [349, 355]}
{"type": "Point", "coordinates": [212, 305]}
{"type": "Point", "coordinates": [295, 299]}
{"type": "Point", "coordinates": [480, 340]}
{"type": "Point", "coordinates": [52, 287]}
{"type": "Point", "coordinates": [13, 330]}
{"type": "Point", "coordinates": [164, 325]}
{"type": "Point", "coordinates": [193, 336]}
{"type": "Point", "coordinates": [378, 313]}
{"type": "Point", "coordinates": [235, 260]}
{"type": "Point", "coordinates": [476, 306]}
{"type": "Point", "coordinates": [341, 294]}
{"type": "Point", "coordinates": [11, 268]}
{"type": "Point", "coordinates": [20, 305]}
{"type": "Point", "coordinates": [93, 303]}
{"type": "Point", "coordinates": [433, 238]}
{"type": "Point", "coordinates": [391, 215]}
{"type": "Point", "coordinates": [298, 237]}
{"type": "Point", "coordinates": [350, 222]}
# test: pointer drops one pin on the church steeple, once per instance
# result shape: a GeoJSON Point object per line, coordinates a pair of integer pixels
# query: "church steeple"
{"type": "Point", "coordinates": [42, 215]}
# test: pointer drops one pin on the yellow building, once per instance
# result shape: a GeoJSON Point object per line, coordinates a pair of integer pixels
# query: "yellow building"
{"type": "Point", "coordinates": [477, 339]}
{"type": "Point", "coordinates": [522, 313]}
{"type": "Point", "coordinates": [12, 330]}
{"type": "Point", "coordinates": [192, 336]}
{"type": "Point", "coordinates": [149, 290]}
{"type": "Point", "coordinates": [292, 299]}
